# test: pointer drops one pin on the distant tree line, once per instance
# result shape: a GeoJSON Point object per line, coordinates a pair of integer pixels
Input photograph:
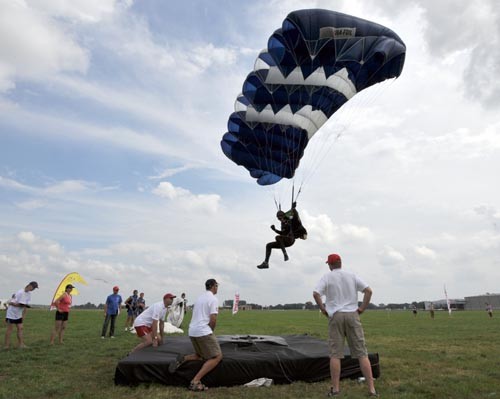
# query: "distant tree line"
{"type": "Point", "coordinates": [287, 306]}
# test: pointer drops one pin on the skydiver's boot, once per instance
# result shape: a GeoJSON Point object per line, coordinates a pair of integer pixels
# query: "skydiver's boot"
{"type": "Point", "coordinates": [263, 265]}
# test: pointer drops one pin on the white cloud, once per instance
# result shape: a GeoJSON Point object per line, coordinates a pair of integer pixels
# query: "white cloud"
{"type": "Point", "coordinates": [389, 256]}
{"type": "Point", "coordinates": [425, 252]}
{"type": "Point", "coordinates": [68, 186]}
{"type": "Point", "coordinates": [50, 190]}
{"type": "Point", "coordinates": [88, 11]}
{"type": "Point", "coordinates": [171, 172]}
{"type": "Point", "coordinates": [322, 228]}
{"type": "Point", "coordinates": [31, 204]}
{"type": "Point", "coordinates": [27, 236]}
{"type": "Point", "coordinates": [187, 200]}
{"type": "Point", "coordinates": [33, 46]}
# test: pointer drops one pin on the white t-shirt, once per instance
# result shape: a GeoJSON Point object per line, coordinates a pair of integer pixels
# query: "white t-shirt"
{"type": "Point", "coordinates": [341, 291]}
{"type": "Point", "coordinates": [206, 305]}
{"type": "Point", "coordinates": [16, 312]}
{"type": "Point", "coordinates": [157, 311]}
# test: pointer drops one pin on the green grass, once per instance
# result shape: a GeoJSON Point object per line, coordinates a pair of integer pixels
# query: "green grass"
{"type": "Point", "coordinates": [448, 357]}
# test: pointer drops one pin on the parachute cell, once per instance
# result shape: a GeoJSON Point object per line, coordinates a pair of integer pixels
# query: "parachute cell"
{"type": "Point", "coordinates": [314, 64]}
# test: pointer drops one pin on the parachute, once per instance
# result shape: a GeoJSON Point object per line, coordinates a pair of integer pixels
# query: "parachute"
{"type": "Point", "coordinates": [314, 64]}
{"type": "Point", "coordinates": [176, 314]}
{"type": "Point", "coordinates": [70, 278]}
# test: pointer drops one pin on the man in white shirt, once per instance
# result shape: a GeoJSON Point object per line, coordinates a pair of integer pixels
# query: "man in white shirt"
{"type": "Point", "coordinates": [341, 307]}
{"type": "Point", "coordinates": [15, 313]}
{"type": "Point", "coordinates": [150, 324]}
{"type": "Point", "coordinates": [201, 333]}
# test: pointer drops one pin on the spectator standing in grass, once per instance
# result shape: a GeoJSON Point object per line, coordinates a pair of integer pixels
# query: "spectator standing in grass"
{"type": "Point", "coordinates": [184, 302]}
{"type": "Point", "coordinates": [16, 312]}
{"type": "Point", "coordinates": [141, 304]}
{"type": "Point", "coordinates": [111, 311]}
{"type": "Point", "coordinates": [63, 305]}
{"type": "Point", "coordinates": [414, 310]}
{"type": "Point", "coordinates": [489, 309]}
{"type": "Point", "coordinates": [131, 305]}
{"type": "Point", "coordinates": [431, 310]}
{"type": "Point", "coordinates": [340, 289]}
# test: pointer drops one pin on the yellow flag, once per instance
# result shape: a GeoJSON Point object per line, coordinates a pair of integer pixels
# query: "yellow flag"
{"type": "Point", "coordinates": [70, 278]}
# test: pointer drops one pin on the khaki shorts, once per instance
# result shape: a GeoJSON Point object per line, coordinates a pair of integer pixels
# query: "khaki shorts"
{"type": "Point", "coordinates": [207, 347]}
{"type": "Point", "coordinates": [346, 325]}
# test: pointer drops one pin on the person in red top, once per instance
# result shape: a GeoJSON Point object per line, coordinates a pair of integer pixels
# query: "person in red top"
{"type": "Point", "coordinates": [63, 305]}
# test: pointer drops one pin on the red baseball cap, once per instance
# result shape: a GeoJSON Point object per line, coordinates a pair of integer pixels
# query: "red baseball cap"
{"type": "Point", "coordinates": [169, 295]}
{"type": "Point", "coordinates": [116, 288]}
{"type": "Point", "coordinates": [333, 258]}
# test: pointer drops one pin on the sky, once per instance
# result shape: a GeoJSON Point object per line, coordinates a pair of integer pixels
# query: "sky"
{"type": "Point", "coordinates": [111, 116]}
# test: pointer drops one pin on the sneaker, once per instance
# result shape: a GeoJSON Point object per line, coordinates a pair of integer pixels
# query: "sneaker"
{"type": "Point", "coordinates": [112, 336]}
{"type": "Point", "coordinates": [103, 337]}
{"type": "Point", "coordinates": [126, 328]}
{"type": "Point", "coordinates": [286, 257]}
{"type": "Point", "coordinates": [263, 265]}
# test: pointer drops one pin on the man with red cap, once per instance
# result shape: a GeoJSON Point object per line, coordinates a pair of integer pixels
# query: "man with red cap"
{"type": "Point", "coordinates": [111, 311]}
{"type": "Point", "coordinates": [149, 325]}
{"type": "Point", "coordinates": [341, 288]}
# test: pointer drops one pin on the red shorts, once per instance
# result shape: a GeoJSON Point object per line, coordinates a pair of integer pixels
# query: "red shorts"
{"type": "Point", "coordinates": [143, 330]}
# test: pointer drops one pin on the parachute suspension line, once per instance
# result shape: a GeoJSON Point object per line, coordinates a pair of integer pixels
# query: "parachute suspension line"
{"type": "Point", "coordinates": [278, 206]}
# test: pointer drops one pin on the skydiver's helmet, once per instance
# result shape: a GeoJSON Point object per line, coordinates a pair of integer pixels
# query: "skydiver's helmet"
{"type": "Point", "coordinates": [280, 215]}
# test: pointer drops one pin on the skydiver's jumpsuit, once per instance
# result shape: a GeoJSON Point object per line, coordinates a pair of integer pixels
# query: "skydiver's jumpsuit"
{"type": "Point", "coordinates": [284, 240]}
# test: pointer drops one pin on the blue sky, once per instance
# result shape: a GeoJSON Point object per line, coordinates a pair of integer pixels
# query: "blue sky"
{"type": "Point", "coordinates": [110, 164]}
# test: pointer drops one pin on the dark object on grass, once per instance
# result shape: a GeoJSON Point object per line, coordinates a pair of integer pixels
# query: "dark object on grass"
{"type": "Point", "coordinates": [285, 359]}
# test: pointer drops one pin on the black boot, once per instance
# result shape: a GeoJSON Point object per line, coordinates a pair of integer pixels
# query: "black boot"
{"type": "Point", "coordinates": [263, 265]}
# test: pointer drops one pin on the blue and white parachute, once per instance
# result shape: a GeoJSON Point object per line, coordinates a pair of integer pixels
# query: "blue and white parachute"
{"type": "Point", "coordinates": [315, 63]}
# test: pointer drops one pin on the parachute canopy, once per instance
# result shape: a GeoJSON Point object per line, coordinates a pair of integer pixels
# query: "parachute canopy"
{"type": "Point", "coordinates": [315, 63]}
{"type": "Point", "coordinates": [70, 278]}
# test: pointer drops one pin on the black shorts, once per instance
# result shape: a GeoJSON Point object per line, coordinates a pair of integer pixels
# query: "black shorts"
{"type": "Point", "coordinates": [14, 321]}
{"type": "Point", "coordinates": [62, 316]}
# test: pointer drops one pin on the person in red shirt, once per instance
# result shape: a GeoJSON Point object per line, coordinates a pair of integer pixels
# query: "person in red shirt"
{"type": "Point", "coordinates": [63, 305]}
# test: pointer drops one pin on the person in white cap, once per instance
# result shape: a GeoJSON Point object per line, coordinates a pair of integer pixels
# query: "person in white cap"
{"type": "Point", "coordinates": [16, 313]}
{"type": "Point", "coordinates": [341, 289]}
{"type": "Point", "coordinates": [150, 324]}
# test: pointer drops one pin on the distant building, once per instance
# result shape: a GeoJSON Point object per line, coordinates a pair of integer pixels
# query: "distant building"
{"type": "Point", "coordinates": [479, 302]}
{"type": "Point", "coordinates": [455, 304]}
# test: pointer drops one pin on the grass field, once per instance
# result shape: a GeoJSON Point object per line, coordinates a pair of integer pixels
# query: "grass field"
{"type": "Point", "coordinates": [448, 357]}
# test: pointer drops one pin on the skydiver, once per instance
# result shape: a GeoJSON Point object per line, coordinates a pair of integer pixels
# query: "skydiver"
{"type": "Point", "coordinates": [291, 228]}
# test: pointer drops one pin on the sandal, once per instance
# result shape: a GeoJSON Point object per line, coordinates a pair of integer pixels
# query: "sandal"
{"type": "Point", "coordinates": [173, 366]}
{"type": "Point", "coordinates": [332, 393]}
{"type": "Point", "coordinates": [197, 386]}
